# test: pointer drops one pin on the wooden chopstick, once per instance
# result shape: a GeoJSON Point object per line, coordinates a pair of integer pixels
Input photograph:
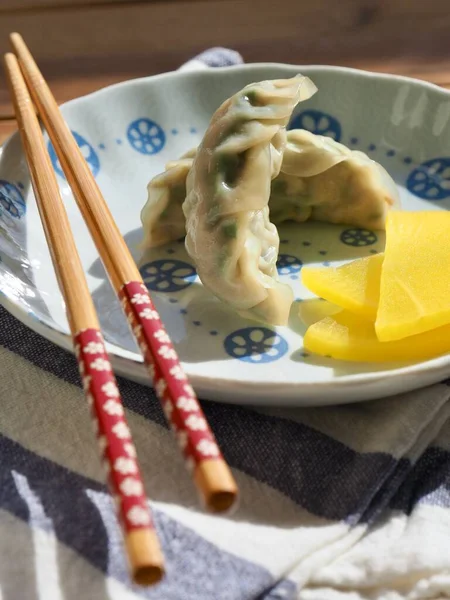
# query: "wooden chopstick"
{"type": "Point", "coordinates": [117, 450]}
{"type": "Point", "coordinates": [211, 473]}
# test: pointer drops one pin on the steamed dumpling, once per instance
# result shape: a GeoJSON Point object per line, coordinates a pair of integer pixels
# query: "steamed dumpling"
{"type": "Point", "coordinates": [323, 180]}
{"type": "Point", "coordinates": [162, 216]}
{"type": "Point", "coordinates": [219, 195]}
{"type": "Point", "coordinates": [320, 179]}
{"type": "Point", "coordinates": [229, 235]}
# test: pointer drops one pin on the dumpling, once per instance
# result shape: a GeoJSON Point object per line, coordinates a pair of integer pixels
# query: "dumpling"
{"type": "Point", "coordinates": [229, 235]}
{"type": "Point", "coordinates": [162, 216]}
{"type": "Point", "coordinates": [220, 193]}
{"type": "Point", "coordinates": [323, 180]}
{"type": "Point", "coordinates": [310, 185]}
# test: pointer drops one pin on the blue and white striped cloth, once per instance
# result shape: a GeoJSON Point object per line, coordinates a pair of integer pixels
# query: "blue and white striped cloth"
{"type": "Point", "coordinates": [339, 503]}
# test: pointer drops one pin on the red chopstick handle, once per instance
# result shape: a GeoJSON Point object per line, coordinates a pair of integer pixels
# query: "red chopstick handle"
{"type": "Point", "coordinates": [177, 397]}
{"type": "Point", "coordinates": [113, 434]}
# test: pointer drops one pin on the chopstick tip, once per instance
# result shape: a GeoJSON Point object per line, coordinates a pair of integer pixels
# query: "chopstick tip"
{"type": "Point", "coordinates": [15, 36]}
{"type": "Point", "coordinates": [219, 490]}
{"type": "Point", "coordinates": [8, 56]}
{"type": "Point", "coordinates": [222, 502]}
{"type": "Point", "coordinates": [10, 63]}
{"type": "Point", "coordinates": [147, 576]}
{"type": "Point", "coordinates": [145, 557]}
{"type": "Point", "coordinates": [16, 41]}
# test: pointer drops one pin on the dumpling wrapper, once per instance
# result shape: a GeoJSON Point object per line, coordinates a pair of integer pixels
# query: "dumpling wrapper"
{"type": "Point", "coordinates": [229, 235]}
{"type": "Point", "coordinates": [162, 216]}
{"type": "Point", "coordinates": [319, 179]}
{"type": "Point", "coordinates": [322, 180]}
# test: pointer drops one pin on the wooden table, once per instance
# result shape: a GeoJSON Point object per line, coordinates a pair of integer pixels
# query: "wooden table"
{"type": "Point", "coordinates": [82, 45]}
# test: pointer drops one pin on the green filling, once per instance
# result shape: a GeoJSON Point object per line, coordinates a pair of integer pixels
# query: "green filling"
{"type": "Point", "coordinates": [229, 229]}
{"type": "Point", "coordinates": [230, 167]}
{"type": "Point", "coordinates": [223, 259]}
{"type": "Point", "coordinates": [252, 97]}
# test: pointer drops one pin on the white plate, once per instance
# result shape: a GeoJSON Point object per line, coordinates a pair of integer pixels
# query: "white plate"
{"type": "Point", "coordinates": [129, 131]}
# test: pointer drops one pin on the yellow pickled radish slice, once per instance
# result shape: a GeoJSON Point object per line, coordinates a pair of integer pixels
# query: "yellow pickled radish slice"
{"type": "Point", "coordinates": [354, 286]}
{"type": "Point", "coordinates": [345, 336]}
{"type": "Point", "coordinates": [316, 309]}
{"type": "Point", "coordinates": [415, 277]}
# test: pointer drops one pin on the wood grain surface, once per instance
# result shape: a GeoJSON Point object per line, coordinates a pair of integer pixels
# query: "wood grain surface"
{"type": "Point", "coordinates": [84, 45]}
{"type": "Point", "coordinates": [21, 5]}
{"type": "Point", "coordinates": [7, 127]}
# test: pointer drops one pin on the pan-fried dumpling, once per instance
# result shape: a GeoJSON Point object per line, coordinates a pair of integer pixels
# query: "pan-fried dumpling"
{"type": "Point", "coordinates": [228, 231]}
{"type": "Point", "coordinates": [162, 216]}
{"type": "Point", "coordinates": [323, 180]}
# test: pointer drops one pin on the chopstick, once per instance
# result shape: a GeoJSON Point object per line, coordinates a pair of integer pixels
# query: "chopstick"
{"type": "Point", "coordinates": [182, 409]}
{"type": "Point", "coordinates": [117, 450]}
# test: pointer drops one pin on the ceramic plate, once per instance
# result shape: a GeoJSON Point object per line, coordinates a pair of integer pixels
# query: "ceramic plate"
{"type": "Point", "coordinates": [129, 131]}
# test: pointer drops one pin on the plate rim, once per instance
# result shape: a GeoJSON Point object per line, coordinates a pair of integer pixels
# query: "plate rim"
{"type": "Point", "coordinates": [218, 71]}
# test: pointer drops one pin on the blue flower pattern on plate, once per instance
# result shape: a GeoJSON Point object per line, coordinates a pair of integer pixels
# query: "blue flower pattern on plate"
{"type": "Point", "coordinates": [146, 136]}
{"type": "Point", "coordinates": [288, 264]}
{"type": "Point", "coordinates": [87, 151]}
{"type": "Point", "coordinates": [11, 199]}
{"type": "Point", "coordinates": [317, 122]}
{"type": "Point", "coordinates": [431, 179]}
{"type": "Point", "coordinates": [358, 237]}
{"type": "Point", "coordinates": [255, 345]}
{"type": "Point", "coordinates": [168, 275]}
